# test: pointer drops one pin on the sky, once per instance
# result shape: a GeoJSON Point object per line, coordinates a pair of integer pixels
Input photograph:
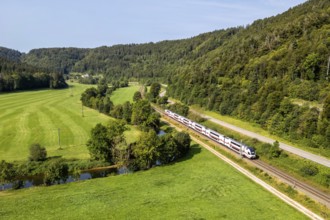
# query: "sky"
{"type": "Point", "coordinates": [30, 24]}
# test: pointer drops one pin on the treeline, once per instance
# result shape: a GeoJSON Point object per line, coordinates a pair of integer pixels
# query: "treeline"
{"type": "Point", "coordinates": [20, 76]}
{"type": "Point", "coordinates": [59, 60]}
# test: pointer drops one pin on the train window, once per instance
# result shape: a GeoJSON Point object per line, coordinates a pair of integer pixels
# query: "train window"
{"type": "Point", "coordinates": [214, 134]}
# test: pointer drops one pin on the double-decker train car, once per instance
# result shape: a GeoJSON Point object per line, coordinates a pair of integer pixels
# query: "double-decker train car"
{"type": "Point", "coordinates": [232, 144]}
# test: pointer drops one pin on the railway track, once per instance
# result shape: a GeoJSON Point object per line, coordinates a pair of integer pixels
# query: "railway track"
{"type": "Point", "coordinates": [316, 194]}
{"type": "Point", "coordinates": [310, 191]}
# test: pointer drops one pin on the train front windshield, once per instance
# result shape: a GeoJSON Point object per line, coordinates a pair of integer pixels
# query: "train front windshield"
{"type": "Point", "coordinates": [253, 152]}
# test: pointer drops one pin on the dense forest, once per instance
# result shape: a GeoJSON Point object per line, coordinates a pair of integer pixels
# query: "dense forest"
{"type": "Point", "coordinates": [60, 60]}
{"type": "Point", "coordinates": [16, 75]}
{"type": "Point", "coordinates": [273, 72]}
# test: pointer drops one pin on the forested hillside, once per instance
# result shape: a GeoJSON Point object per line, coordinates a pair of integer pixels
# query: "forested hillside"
{"type": "Point", "coordinates": [273, 72]}
{"type": "Point", "coordinates": [60, 60]}
{"type": "Point", "coordinates": [269, 73]}
{"type": "Point", "coordinates": [15, 75]}
{"type": "Point", "coordinates": [9, 54]}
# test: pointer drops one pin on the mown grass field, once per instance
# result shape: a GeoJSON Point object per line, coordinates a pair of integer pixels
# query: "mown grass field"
{"type": "Point", "coordinates": [119, 96]}
{"type": "Point", "coordinates": [35, 116]}
{"type": "Point", "coordinates": [199, 187]}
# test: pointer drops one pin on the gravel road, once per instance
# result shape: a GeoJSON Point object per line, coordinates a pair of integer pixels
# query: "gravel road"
{"type": "Point", "coordinates": [310, 156]}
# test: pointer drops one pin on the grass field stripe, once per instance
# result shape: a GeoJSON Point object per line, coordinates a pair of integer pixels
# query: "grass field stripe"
{"type": "Point", "coordinates": [42, 112]}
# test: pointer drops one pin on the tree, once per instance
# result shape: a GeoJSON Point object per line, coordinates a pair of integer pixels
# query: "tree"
{"type": "Point", "coordinates": [87, 95]}
{"type": "Point", "coordinates": [326, 109]}
{"type": "Point", "coordinates": [153, 121]}
{"type": "Point", "coordinates": [57, 81]}
{"type": "Point", "coordinates": [146, 150]}
{"type": "Point", "coordinates": [115, 131]}
{"type": "Point", "coordinates": [99, 145]}
{"type": "Point", "coordinates": [107, 105]}
{"type": "Point", "coordinates": [56, 172]}
{"type": "Point", "coordinates": [162, 100]}
{"type": "Point", "coordinates": [140, 112]}
{"type": "Point", "coordinates": [168, 150]}
{"type": "Point", "coordinates": [37, 153]}
{"type": "Point", "coordinates": [102, 87]}
{"type": "Point", "coordinates": [179, 109]}
{"type": "Point", "coordinates": [137, 96]}
{"type": "Point", "coordinates": [275, 150]}
{"type": "Point", "coordinates": [308, 125]}
{"type": "Point", "coordinates": [117, 112]}
{"type": "Point", "coordinates": [127, 111]}
{"type": "Point", "coordinates": [311, 66]}
{"type": "Point", "coordinates": [7, 172]}
{"type": "Point", "coordinates": [104, 139]}
{"type": "Point", "coordinates": [183, 142]}
{"type": "Point", "coordinates": [155, 89]}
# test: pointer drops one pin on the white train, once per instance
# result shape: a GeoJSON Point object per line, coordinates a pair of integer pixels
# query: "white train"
{"type": "Point", "coordinates": [236, 146]}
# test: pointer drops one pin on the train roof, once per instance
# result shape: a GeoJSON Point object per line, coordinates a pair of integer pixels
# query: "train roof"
{"type": "Point", "coordinates": [237, 142]}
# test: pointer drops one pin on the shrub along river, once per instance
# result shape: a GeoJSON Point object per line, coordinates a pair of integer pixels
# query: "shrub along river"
{"type": "Point", "coordinates": [38, 180]}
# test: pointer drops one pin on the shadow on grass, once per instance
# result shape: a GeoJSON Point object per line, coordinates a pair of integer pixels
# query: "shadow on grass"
{"type": "Point", "coordinates": [194, 150]}
{"type": "Point", "coordinates": [53, 157]}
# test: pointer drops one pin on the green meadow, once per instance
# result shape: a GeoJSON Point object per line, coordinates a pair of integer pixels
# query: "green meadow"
{"type": "Point", "coordinates": [199, 187]}
{"type": "Point", "coordinates": [119, 96]}
{"type": "Point", "coordinates": [52, 118]}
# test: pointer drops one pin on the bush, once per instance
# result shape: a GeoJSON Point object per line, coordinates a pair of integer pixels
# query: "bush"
{"type": "Point", "coordinates": [309, 170]}
{"type": "Point", "coordinates": [325, 180]}
{"type": "Point", "coordinates": [37, 153]}
{"type": "Point", "coordinates": [56, 171]}
{"type": "Point", "coordinates": [275, 150]}
{"type": "Point", "coordinates": [195, 117]}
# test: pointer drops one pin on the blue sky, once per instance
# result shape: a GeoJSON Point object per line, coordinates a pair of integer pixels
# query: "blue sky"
{"type": "Point", "coordinates": [29, 24]}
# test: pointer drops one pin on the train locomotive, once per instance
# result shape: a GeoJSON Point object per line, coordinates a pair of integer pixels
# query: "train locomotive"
{"type": "Point", "coordinates": [232, 144]}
